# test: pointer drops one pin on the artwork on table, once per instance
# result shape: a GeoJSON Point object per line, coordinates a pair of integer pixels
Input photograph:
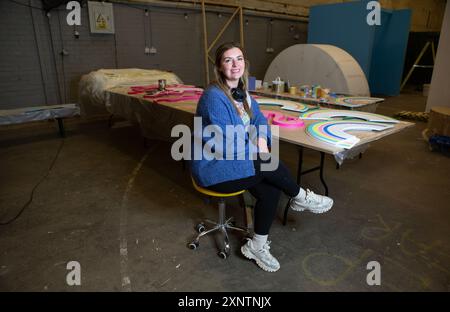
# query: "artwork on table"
{"type": "Point", "coordinates": [282, 120]}
{"type": "Point", "coordinates": [169, 89]}
{"type": "Point", "coordinates": [178, 98]}
{"type": "Point", "coordinates": [354, 101]}
{"type": "Point", "coordinates": [286, 105]}
{"type": "Point", "coordinates": [171, 94]}
{"type": "Point", "coordinates": [329, 114]}
{"type": "Point", "coordinates": [335, 132]}
{"type": "Point", "coordinates": [101, 17]}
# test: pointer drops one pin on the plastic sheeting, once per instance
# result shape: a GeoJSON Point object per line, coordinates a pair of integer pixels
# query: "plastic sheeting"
{"type": "Point", "coordinates": [155, 120]}
{"type": "Point", "coordinates": [350, 154]}
{"type": "Point", "coordinates": [94, 99]}
{"type": "Point", "coordinates": [38, 113]}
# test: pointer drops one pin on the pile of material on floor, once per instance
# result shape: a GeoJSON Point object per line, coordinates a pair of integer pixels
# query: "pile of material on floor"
{"type": "Point", "coordinates": [417, 116]}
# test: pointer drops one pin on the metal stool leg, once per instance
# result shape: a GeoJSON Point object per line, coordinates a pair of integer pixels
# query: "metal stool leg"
{"type": "Point", "coordinates": [223, 224]}
{"type": "Point", "coordinates": [226, 244]}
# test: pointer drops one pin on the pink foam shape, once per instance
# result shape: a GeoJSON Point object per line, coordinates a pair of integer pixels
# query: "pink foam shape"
{"type": "Point", "coordinates": [271, 114]}
{"type": "Point", "coordinates": [282, 120]}
{"type": "Point", "coordinates": [288, 122]}
{"type": "Point", "coordinates": [177, 99]}
{"type": "Point", "coordinates": [144, 88]}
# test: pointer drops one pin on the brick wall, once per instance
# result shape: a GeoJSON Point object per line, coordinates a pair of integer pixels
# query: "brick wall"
{"type": "Point", "coordinates": [33, 72]}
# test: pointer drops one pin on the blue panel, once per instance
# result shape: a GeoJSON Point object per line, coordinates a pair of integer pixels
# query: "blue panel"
{"type": "Point", "coordinates": [344, 25]}
{"type": "Point", "coordinates": [379, 50]}
{"type": "Point", "coordinates": [388, 57]}
{"type": "Point", "coordinates": [251, 83]}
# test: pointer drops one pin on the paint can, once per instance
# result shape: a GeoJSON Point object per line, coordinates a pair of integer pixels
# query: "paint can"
{"type": "Point", "coordinates": [314, 91]}
{"type": "Point", "coordinates": [162, 84]}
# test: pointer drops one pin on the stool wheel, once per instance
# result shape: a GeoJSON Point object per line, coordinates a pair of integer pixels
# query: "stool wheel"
{"type": "Point", "coordinates": [222, 254]}
{"type": "Point", "coordinates": [200, 227]}
{"type": "Point", "coordinates": [193, 245]}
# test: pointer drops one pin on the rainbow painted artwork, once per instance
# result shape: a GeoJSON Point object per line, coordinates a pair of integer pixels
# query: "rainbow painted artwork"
{"type": "Point", "coordinates": [286, 105]}
{"type": "Point", "coordinates": [335, 132]}
{"type": "Point", "coordinates": [333, 114]}
{"type": "Point", "coordinates": [354, 101]}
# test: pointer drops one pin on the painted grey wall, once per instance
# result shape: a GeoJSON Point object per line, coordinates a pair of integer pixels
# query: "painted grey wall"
{"type": "Point", "coordinates": [33, 71]}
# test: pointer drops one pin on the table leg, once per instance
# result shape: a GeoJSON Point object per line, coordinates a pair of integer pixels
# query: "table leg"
{"type": "Point", "coordinates": [300, 164]}
{"type": "Point", "coordinates": [61, 127]}
{"type": "Point", "coordinates": [322, 161]}
{"type": "Point", "coordinates": [110, 120]}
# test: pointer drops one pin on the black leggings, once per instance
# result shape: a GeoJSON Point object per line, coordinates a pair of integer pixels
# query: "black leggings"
{"type": "Point", "coordinates": [266, 186]}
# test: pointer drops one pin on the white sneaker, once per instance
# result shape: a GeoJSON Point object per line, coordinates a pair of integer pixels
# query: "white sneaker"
{"type": "Point", "coordinates": [312, 202]}
{"type": "Point", "coordinates": [263, 258]}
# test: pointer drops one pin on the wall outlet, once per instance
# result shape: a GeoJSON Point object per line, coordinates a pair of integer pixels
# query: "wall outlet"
{"type": "Point", "coordinates": [152, 50]}
{"type": "Point", "coordinates": [147, 50]}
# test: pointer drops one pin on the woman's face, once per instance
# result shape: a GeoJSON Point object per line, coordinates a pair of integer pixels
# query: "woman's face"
{"type": "Point", "coordinates": [232, 66]}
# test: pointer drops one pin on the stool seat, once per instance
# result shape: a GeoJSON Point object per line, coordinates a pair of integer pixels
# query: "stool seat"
{"type": "Point", "coordinates": [222, 225]}
{"type": "Point", "coordinates": [212, 193]}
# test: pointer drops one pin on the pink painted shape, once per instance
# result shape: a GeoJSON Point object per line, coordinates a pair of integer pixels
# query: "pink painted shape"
{"type": "Point", "coordinates": [282, 120]}
{"type": "Point", "coordinates": [271, 114]}
{"type": "Point", "coordinates": [144, 88]}
{"type": "Point", "coordinates": [288, 122]}
{"type": "Point", "coordinates": [169, 88]}
{"type": "Point", "coordinates": [172, 93]}
{"type": "Point", "coordinates": [161, 94]}
{"type": "Point", "coordinates": [178, 99]}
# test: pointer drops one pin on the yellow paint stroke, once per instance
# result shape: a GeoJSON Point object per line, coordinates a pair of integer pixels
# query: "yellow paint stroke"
{"type": "Point", "coordinates": [423, 250]}
{"type": "Point", "coordinates": [424, 281]}
{"type": "Point", "coordinates": [385, 228]}
{"type": "Point", "coordinates": [125, 277]}
{"type": "Point", "coordinates": [332, 282]}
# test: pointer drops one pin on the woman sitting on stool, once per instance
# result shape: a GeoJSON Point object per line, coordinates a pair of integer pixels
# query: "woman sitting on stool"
{"type": "Point", "coordinates": [226, 102]}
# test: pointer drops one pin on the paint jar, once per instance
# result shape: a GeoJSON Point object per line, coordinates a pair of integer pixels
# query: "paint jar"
{"type": "Point", "coordinates": [162, 84]}
{"type": "Point", "coordinates": [306, 91]}
{"type": "Point", "coordinates": [278, 85]}
{"type": "Point", "coordinates": [293, 90]}
{"type": "Point", "coordinates": [314, 90]}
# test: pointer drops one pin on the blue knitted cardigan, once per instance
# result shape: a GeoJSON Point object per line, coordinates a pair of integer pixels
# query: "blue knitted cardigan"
{"type": "Point", "coordinates": [217, 111]}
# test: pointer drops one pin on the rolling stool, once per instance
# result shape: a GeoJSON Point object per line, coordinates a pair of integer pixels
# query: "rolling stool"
{"type": "Point", "coordinates": [221, 225]}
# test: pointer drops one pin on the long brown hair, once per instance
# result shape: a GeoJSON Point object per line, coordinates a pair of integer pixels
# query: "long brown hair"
{"type": "Point", "coordinates": [221, 82]}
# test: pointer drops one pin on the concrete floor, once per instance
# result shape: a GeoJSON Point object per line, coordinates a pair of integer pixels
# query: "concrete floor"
{"type": "Point", "coordinates": [126, 212]}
